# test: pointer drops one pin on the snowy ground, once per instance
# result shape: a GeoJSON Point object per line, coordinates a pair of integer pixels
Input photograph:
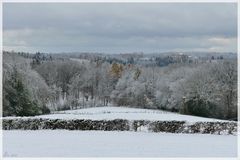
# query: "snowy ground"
{"type": "Point", "coordinates": [110, 113]}
{"type": "Point", "coordinates": [63, 143]}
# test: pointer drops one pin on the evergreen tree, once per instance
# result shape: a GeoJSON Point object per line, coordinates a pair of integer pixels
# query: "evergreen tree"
{"type": "Point", "coordinates": [17, 100]}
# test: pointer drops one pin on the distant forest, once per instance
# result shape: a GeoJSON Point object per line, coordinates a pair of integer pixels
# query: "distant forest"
{"type": "Point", "coordinates": [42, 83]}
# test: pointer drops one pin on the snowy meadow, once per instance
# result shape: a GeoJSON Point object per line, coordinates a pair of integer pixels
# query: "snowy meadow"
{"type": "Point", "coordinates": [110, 138]}
{"type": "Point", "coordinates": [64, 143]}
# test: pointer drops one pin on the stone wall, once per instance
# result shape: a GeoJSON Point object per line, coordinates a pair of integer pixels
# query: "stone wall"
{"type": "Point", "coordinates": [122, 125]}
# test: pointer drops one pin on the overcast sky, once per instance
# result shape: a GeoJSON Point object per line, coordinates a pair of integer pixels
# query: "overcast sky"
{"type": "Point", "coordinates": [118, 28]}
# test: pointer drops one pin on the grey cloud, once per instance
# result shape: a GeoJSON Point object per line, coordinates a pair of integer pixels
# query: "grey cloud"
{"type": "Point", "coordinates": [119, 27]}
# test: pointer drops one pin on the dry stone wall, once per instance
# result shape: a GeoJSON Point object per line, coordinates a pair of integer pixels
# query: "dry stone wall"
{"type": "Point", "coordinates": [122, 125]}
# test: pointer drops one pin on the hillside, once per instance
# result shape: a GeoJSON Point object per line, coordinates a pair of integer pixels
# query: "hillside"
{"type": "Point", "coordinates": [111, 113]}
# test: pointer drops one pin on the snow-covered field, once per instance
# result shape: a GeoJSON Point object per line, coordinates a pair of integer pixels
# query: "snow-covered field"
{"type": "Point", "coordinates": [110, 113]}
{"type": "Point", "coordinates": [63, 143]}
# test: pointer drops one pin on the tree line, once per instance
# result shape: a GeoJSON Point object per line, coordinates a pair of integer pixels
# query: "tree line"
{"type": "Point", "coordinates": [204, 89]}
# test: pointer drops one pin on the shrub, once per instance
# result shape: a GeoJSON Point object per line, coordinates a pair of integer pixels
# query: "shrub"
{"type": "Point", "coordinates": [199, 107]}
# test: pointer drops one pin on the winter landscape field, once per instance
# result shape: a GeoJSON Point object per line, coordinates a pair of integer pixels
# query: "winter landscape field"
{"type": "Point", "coordinates": [139, 143]}
{"type": "Point", "coordinates": [139, 80]}
{"type": "Point", "coordinates": [64, 143]}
